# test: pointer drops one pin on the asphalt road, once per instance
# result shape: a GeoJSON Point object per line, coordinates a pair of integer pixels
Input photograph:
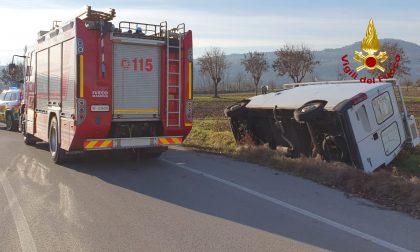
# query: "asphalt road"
{"type": "Point", "coordinates": [184, 201]}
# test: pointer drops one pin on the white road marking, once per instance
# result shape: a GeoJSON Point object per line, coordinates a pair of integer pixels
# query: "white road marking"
{"type": "Point", "coordinates": [25, 237]}
{"type": "Point", "coordinates": [293, 208]}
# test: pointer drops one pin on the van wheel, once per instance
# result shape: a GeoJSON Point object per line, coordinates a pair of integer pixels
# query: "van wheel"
{"type": "Point", "coordinates": [236, 110]}
{"type": "Point", "coordinates": [57, 154]}
{"type": "Point", "coordinates": [334, 148]}
{"type": "Point", "coordinates": [310, 111]}
{"type": "Point", "coordinates": [10, 124]}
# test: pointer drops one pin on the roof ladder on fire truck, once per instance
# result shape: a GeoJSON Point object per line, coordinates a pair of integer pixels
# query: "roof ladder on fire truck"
{"type": "Point", "coordinates": [88, 14]}
{"type": "Point", "coordinates": [174, 39]}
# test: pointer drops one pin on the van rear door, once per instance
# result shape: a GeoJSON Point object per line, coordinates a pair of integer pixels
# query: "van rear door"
{"type": "Point", "coordinates": [378, 128]}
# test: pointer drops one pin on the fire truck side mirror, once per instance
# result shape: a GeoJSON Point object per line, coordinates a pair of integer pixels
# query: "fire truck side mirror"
{"type": "Point", "coordinates": [12, 69]}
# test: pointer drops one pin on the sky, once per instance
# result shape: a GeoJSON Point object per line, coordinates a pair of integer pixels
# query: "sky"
{"type": "Point", "coordinates": [235, 26]}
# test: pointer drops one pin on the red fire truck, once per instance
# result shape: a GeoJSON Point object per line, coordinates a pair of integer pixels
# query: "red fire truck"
{"type": "Point", "coordinates": [91, 85]}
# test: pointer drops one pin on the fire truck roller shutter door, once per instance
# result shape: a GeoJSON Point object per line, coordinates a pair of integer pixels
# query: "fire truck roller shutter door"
{"type": "Point", "coordinates": [68, 78]}
{"type": "Point", "coordinates": [42, 80]}
{"type": "Point", "coordinates": [136, 81]}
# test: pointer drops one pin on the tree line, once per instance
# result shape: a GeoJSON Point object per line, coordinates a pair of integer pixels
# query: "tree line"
{"type": "Point", "coordinates": [293, 61]}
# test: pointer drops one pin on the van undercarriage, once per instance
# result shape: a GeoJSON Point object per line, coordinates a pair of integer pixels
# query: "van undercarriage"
{"type": "Point", "coordinates": [278, 128]}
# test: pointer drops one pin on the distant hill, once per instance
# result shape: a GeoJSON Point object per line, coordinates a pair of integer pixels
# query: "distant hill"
{"type": "Point", "coordinates": [330, 59]}
{"type": "Point", "coordinates": [330, 63]}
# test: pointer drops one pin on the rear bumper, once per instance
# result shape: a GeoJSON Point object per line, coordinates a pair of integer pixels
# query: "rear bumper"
{"type": "Point", "coordinates": [128, 143]}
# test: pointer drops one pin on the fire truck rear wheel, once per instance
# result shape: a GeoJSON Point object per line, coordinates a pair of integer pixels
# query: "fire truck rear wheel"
{"type": "Point", "coordinates": [57, 154]}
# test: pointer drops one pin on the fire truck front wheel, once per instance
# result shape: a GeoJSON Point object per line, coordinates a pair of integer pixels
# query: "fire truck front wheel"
{"type": "Point", "coordinates": [57, 154]}
{"type": "Point", "coordinates": [28, 139]}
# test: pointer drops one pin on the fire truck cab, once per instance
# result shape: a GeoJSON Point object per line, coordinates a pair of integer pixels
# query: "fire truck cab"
{"type": "Point", "coordinates": [91, 85]}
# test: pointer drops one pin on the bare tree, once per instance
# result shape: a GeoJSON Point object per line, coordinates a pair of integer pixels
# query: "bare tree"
{"type": "Point", "coordinates": [392, 50]}
{"type": "Point", "coordinates": [205, 82]}
{"type": "Point", "coordinates": [272, 85]}
{"type": "Point", "coordinates": [407, 84]}
{"type": "Point", "coordinates": [255, 64]}
{"type": "Point", "coordinates": [418, 83]}
{"type": "Point", "coordinates": [226, 81]}
{"type": "Point", "coordinates": [239, 80]}
{"type": "Point", "coordinates": [295, 61]}
{"type": "Point", "coordinates": [214, 64]}
{"type": "Point", "coordinates": [315, 77]}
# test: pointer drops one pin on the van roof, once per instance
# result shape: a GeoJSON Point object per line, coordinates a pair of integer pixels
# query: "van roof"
{"type": "Point", "coordinates": [296, 97]}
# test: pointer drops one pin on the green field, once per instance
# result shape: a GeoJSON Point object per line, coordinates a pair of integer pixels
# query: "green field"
{"type": "Point", "coordinates": [232, 98]}
{"type": "Point", "coordinates": [411, 99]}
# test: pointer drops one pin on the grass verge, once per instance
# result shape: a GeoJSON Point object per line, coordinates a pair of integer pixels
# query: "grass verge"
{"type": "Point", "coordinates": [213, 135]}
{"type": "Point", "coordinates": [396, 187]}
{"type": "Point", "coordinates": [411, 99]}
{"type": "Point", "coordinates": [227, 98]}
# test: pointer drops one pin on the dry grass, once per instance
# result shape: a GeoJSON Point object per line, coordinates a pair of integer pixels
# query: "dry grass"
{"type": "Point", "coordinates": [382, 187]}
{"type": "Point", "coordinates": [213, 135]}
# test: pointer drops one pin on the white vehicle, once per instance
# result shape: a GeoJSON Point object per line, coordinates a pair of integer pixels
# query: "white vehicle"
{"type": "Point", "coordinates": [363, 125]}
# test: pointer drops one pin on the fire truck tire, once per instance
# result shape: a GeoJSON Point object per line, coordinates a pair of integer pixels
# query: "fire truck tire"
{"type": "Point", "coordinates": [10, 124]}
{"type": "Point", "coordinates": [28, 139]}
{"type": "Point", "coordinates": [57, 154]}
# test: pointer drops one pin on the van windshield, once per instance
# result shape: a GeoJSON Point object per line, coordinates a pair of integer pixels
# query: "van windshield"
{"type": "Point", "coordinates": [2, 95]}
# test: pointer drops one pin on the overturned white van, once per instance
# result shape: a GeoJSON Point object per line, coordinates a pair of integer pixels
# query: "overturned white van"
{"type": "Point", "coordinates": [363, 125]}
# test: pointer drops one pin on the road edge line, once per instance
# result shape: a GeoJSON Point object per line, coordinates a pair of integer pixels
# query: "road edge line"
{"type": "Point", "coordinates": [293, 208]}
{"type": "Point", "coordinates": [26, 240]}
